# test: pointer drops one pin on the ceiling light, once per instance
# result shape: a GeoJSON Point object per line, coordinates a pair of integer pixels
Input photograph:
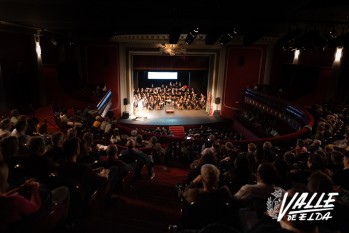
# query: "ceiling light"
{"type": "Point", "coordinates": [172, 49]}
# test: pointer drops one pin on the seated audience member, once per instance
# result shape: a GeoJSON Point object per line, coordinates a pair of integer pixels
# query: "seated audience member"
{"type": "Point", "coordinates": [315, 146]}
{"type": "Point", "coordinates": [136, 157]}
{"type": "Point", "coordinates": [104, 123]}
{"type": "Point", "coordinates": [14, 117]}
{"type": "Point", "coordinates": [55, 150]}
{"type": "Point", "coordinates": [82, 181]}
{"type": "Point", "coordinates": [9, 148]}
{"type": "Point", "coordinates": [269, 154]}
{"type": "Point", "coordinates": [158, 152]}
{"type": "Point", "coordinates": [206, 157]}
{"type": "Point", "coordinates": [205, 202]}
{"type": "Point", "coordinates": [32, 126]}
{"type": "Point", "coordinates": [97, 123]}
{"type": "Point", "coordinates": [115, 136]}
{"type": "Point", "coordinates": [139, 141]}
{"type": "Point", "coordinates": [336, 162]}
{"type": "Point", "coordinates": [267, 224]}
{"type": "Point", "coordinates": [118, 169]}
{"type": "Point", "coordinates": [13, 205]}
{"type": "Point", "coordinates": [283, 179]}
{"type": "Point", "coordinates": [5, 127]}
{"type": "Point", "coordinates": [239, 174]}
{"type": "Point", "coordinates": [19, 132]}
{"type": "Point", "coordinates": [37, 165]}
{"type": "Point", "coordinates": [26, 200]}
{"type": "Point", "coordinates": [319, 183]}
{"type": "Point", "coordinates": [266, 175]}
{"type": "Point", "coordinates": [88, 154]}
{"type": "Point", "coordinates": [341, 177]}
{"type": "Point", "coordinates": [72, 133]}
{"type": "Point", "coordinates": [43, 129]}
{"type": "Point", "coordinates": [207, 182]}
{"type": "Point", "coordinates": [300, 148]}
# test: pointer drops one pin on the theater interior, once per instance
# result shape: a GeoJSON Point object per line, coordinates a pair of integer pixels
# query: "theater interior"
{"type": "Point", "coordinates": [248, 75]}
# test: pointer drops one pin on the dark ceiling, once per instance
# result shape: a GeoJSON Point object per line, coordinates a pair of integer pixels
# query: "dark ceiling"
{"type": "Point", "coordinates": [105, 18]}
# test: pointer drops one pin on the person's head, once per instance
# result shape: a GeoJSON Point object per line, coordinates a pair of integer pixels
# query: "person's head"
{"type": "Point", "coordinates": [280, 166]}
{"type": "Point", "coordinates": [134, 133]}
{"type": "Point", "coordinates": [316, 162]}
{"type": "Point", "coordinates": [209, 175]}
{"type": "Point", "coordinates": [36, 145]}
{"type": "Point", "coordinates": [131, 144]}
{"type": "Point", "coordinates": [72, 133]}
{"type": "Point", "coordinates": [3, 176]}
{"type": "Point", "coordinates": [300, 143]}
{"type": "Point", "coordinates": [336, 157]}
{"type": "Point", "coordinates": [139, 139]}
{"type": "Point", "coordinates": [111, 151]}
{"type": "Point", "coordinates": [57, 138]}
{"type": "Point", "coordinates": [290, 158]}
{"type": "Point", "coordinates": [267, 145]}
{"type": "Point", "coordinates": [14, 112]}
{"type": "Point", "coordinates": [316, 143]}
{"type": "Point", "coordinates": [251, 147]}
{"type": "Point", "coordinates": [266, 173]}
{"type": "Point", "coordinates": [153, 139]}
{"type": "Point", "coordinates": [88, 138]}
{"type": "Point", "coordinates": [229, 146]}
{"type": "Point", "coordinates": [241, 163]}
{"type": "Point", "coordinates": [21, 125]}
{"type": "Point", "coordinates": [346, 159]}
{"type": "Point", "coordinates": [9, 146]}
{"type": "Point", "coordinates": [207, 156]}
{"type": "Point", "coordinates": [5, 124]}
{"type": "Point", "coordinates": [71, 147]}
{"type": "Point", "coordinates": [319, 182]}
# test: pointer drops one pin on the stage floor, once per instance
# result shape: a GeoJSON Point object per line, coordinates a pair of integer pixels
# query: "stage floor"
{"type": "Point", "coordinates": [178, 117]}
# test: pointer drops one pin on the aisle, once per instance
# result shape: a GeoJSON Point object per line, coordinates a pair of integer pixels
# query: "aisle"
{"type": "Point", "coordinates": [149, 207]}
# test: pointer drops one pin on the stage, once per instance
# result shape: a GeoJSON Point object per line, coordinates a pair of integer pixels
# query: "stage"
{"type": "Point", "coordinates": [177, 117]}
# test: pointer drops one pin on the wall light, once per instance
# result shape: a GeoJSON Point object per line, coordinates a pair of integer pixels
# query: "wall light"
{"type": "Point", "coordinates": [338, 54]}
{"type": "Point", "coordinates": [37, 45]}
{"type": "Point", "coordinates": [296, 56]}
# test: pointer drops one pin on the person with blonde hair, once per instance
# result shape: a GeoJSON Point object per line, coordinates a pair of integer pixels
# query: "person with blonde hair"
{"type": "Point", "coordinates": [207, 183]}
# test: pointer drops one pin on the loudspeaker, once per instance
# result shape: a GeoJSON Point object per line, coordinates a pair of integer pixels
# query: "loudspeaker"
{"type": "Point", "coordinates": [125, 101]}
{"type": "Point", "coordinates": [125, 115]}
{"type": "Point", "coordinates": [217, 100]}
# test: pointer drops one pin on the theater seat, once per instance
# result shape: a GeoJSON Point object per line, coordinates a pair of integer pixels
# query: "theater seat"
{"type": "Point", "coordinates": [197, 215]}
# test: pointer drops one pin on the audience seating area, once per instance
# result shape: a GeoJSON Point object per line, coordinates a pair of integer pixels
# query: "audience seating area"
{"type": "Point", "coordinates": [294, 157]}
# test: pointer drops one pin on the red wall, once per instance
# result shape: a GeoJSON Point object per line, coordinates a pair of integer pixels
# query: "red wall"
{"type": "Point", "coordinates": [314, 58]}
{"type": "Point", "coordinates": [244, 68]}
{"type": "Point", "coordinates": [102, 64]}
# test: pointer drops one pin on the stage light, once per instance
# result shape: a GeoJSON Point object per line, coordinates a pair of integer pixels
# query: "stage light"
{"type": "Point", "coordinates": [228, 37]}
{"type": "Point", "coordinates": [192, 35]}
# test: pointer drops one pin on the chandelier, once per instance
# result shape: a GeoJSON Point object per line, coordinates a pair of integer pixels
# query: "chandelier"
{"type": "Point", "coordinates": [172, 49]}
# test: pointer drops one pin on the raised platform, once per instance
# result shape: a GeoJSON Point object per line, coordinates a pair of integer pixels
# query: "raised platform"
{"type": "Point", "coordinates": [178, 117]}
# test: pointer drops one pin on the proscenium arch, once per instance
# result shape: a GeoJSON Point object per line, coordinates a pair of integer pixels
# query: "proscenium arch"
{"type": "Point", "coordinates": [213, 69]}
